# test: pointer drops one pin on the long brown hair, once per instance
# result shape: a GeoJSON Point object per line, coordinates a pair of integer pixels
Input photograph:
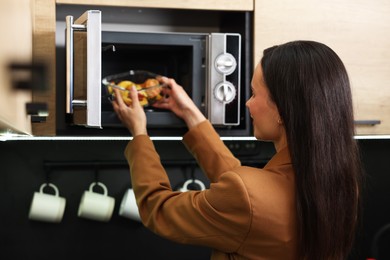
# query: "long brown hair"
{"type": "Point", "coordinates": [310, 87]}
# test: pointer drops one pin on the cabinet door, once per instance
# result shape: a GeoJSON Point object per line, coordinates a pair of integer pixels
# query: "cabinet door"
{"type": "Point", "coordinates": [357, 30]}
{"type": "Point", "coordinates": [15, 20]}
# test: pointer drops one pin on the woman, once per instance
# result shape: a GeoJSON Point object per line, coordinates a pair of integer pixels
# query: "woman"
{"type": "Point", "coordinates": [302, 205]}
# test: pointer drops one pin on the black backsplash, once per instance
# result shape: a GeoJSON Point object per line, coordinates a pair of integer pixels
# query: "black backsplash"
{"type": "Point", "coordinates": [24, 167]}
{"type": "Point", "coordinates": [23, 171]}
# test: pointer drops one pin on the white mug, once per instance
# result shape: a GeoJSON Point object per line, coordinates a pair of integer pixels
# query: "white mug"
{"type": "Point", "coordinates": [128, 207]}
{"type": "Point", "coordinates": [184, 188]}
{"type": "Point", "coordinates": [96, 206]}
{"type": "Point", "coordinates": [47, 207]}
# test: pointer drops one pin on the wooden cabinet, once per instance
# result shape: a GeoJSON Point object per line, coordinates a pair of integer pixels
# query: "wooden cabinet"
{"type": "Point", "coordinates": [44, 33]}
{"type": "Point", "coordinates": [15, 20]}
{"type": "Point", "coordinates": [44, 50]}
{"type": "Point", "coordinates": [358, 30]}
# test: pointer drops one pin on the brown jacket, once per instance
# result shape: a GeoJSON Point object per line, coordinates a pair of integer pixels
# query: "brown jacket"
{"type": "Point", "coordinates": [247, 213]}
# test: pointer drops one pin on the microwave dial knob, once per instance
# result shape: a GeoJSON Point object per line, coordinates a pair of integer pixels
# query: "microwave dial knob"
{"type": "Point", "coordinates": [225, 63]}
{"type": "Point", "coordinates": [225, 92]}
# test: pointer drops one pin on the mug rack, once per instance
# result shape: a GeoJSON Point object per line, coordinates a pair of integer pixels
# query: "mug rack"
{"type": "Point", "coordinates": [50, 166]}
{"type": "Point", "coordinates": [55, 165]}
{"type": "Point", "coordinates": [96, 166]}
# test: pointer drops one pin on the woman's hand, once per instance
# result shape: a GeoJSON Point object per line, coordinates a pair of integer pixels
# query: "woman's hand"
{"type": "Point", "coordinates": [177, 100]}
{"type": "Point", "coordinates": [133, 116]}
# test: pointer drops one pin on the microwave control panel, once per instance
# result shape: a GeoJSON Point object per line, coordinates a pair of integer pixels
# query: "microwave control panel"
{"type": "Point", "coordinates": [223, 93]}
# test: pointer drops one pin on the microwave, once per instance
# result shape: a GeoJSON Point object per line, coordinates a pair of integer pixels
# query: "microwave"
{"type": "Point", "coordinates": [208, 65]}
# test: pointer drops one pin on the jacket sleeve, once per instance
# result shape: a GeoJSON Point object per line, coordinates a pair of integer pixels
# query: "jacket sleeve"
{"type": "Point", "coordinates": [218, 217]}
{"type": "Point", "coordinates": [209, 150]}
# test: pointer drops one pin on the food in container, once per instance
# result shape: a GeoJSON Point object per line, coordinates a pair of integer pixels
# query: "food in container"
{"type": "Point", "coordinates": [147, 84]}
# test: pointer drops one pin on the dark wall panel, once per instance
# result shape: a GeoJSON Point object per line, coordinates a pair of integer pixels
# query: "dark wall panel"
{"type": "Point", "coordinates": [22, 171]}
{"type": "Point", "coordinates": [376, 200]}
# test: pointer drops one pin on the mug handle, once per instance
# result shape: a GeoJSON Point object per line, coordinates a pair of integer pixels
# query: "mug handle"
{"type": "Point", "coordinates": [99, 184]}
{"type": "Point", "coordinates": [54, 187]}
{"type": "Point", "coordinates": [188, 182]}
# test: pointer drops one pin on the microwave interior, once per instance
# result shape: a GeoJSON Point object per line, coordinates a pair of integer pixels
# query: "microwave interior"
{"type": "Point", "coordinates": [168, 42]}
{"type": "Point", "coordinates": [178, 56]}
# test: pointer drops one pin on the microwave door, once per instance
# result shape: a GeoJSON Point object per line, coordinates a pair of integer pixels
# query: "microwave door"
{"type": "Point", "coordinates": [83, 69]}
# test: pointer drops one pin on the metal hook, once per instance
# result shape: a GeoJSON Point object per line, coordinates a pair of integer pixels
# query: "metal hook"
{"type": "Point", "coordinates": [108, 47]}
{"type": "Point", "coordinates": [96, 169]}
{"type": "Point", "coordinates": [47, 170]}
{"type": "Point", "coordinates": [193, 174]}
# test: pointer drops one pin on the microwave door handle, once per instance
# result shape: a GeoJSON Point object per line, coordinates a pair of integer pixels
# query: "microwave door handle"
{"type": "Point", "coordinates": [69, 64]}
{"type": "Point", "coordinates": [70, 27]}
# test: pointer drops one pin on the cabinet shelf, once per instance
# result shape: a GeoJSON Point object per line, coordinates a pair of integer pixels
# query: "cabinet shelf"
{"type": "Point", "coordinates": [154, 138]}
{"type": "Point", "coordinates": [236, 5]}
{"type": "Point", "coordinates": [108, 138]}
